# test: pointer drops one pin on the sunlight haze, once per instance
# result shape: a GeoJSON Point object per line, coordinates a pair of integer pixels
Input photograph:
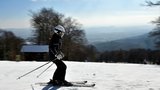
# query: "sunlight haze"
{"type": "Point", "coordinates": [15, 13]}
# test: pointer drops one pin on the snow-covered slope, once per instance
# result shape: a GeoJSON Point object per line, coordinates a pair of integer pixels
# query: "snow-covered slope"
{"type": "Point", "coordinates": [107, 76]}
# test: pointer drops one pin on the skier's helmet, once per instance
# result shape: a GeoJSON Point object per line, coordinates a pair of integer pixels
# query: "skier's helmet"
{"type": "Point", "coordinates": [59, 29]}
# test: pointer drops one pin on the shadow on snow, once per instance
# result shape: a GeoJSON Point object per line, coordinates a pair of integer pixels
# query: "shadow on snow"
{"type": "Point", "coordinates": [51, 87]}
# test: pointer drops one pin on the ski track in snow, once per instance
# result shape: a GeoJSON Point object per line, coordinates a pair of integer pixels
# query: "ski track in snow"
{"type": "Point", "coordinates": [107, 76]}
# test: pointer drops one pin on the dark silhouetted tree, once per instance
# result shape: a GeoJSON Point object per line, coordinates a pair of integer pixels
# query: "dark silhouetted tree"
{"type": "Point", "coordinates": [156, 32]}
{"type": "Point", "coordinates": [43, 22]}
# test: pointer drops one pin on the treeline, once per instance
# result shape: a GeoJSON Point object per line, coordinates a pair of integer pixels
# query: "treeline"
{"type": "Point", "coordinates": [10, 46]}
{"type": "Point", "coordinates": [141, 56]}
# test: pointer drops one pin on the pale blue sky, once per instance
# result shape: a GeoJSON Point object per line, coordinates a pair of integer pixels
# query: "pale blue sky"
{"type": "Point", "coordinates": [90, 13]}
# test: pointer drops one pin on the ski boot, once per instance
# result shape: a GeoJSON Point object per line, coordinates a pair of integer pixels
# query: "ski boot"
{"type": "Point", "coordinates": [55, 82]}
{"type": "Point", "coordinates": [60, 83]}
{"type": "Point", "coordinates": [66, 83]}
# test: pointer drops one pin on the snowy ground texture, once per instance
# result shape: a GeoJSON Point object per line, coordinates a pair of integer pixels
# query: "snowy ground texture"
{"type": "Point", "coordinates": [107, 76]}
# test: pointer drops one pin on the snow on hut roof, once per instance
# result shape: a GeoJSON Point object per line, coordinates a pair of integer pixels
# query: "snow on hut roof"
{"type": "Point", "coordinates": [34, 48]}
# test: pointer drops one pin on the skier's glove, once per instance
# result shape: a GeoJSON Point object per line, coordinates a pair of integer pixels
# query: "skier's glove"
{"type": "Point", "coordinates": [59, 56]}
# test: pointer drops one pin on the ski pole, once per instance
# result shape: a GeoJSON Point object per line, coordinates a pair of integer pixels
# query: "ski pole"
{"type": "Point", "coordinates": [44, 70]}
{"type": "Point", "coordinates": [33, 70]}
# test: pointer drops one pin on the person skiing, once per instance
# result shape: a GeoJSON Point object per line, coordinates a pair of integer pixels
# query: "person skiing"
{"type": "Point", "coordinates": [56, 56]}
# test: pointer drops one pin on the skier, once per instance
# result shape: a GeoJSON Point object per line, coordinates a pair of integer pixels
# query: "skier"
{"type": "Point", "coordinates": [56, 55]}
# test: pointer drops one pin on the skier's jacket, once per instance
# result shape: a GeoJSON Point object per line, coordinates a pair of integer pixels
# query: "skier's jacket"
{"type": "Point", "coordinates": [55, 45]}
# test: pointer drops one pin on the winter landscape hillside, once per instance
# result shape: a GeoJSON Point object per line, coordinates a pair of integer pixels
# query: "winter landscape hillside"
{"type": "Point", "coordinates": [142, 41]}
{"type": "Point", "coordinates": [107, 76]}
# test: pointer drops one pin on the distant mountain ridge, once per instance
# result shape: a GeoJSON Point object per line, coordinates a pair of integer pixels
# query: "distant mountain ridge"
{"type": "Point", "coordinates": [22, 32]}
{"type": "Point", "coordinates": [141, 41]}
{"type": "Point", "coordinates": [103, 34]}
{"type": "Point", "coordinates": [95, 34]}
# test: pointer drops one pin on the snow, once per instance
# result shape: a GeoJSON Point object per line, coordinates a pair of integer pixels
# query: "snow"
{"type": "Point", "coordinates": [107, 76]}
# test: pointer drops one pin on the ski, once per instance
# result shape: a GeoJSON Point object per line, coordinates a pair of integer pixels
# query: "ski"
{"type": "Point", "coordinates": [73, 82]}
{"type": "Point", "coordinates": [83, 85]}
{"type": "Point", "coordinates": [79, 82]}
{"type": "Point", "coordinates": [74, 85]}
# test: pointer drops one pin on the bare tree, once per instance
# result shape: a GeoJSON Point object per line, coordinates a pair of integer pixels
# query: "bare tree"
{"type": "Point", "coordinates": [43, 22]}
{"type": "Point", "coordinates": [150, 3]}
{"type": "Point", "coordinates": [156, 31]}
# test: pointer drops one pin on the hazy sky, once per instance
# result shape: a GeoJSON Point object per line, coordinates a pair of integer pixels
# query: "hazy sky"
{"type": "Point", "coordinates": [90, 13]}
